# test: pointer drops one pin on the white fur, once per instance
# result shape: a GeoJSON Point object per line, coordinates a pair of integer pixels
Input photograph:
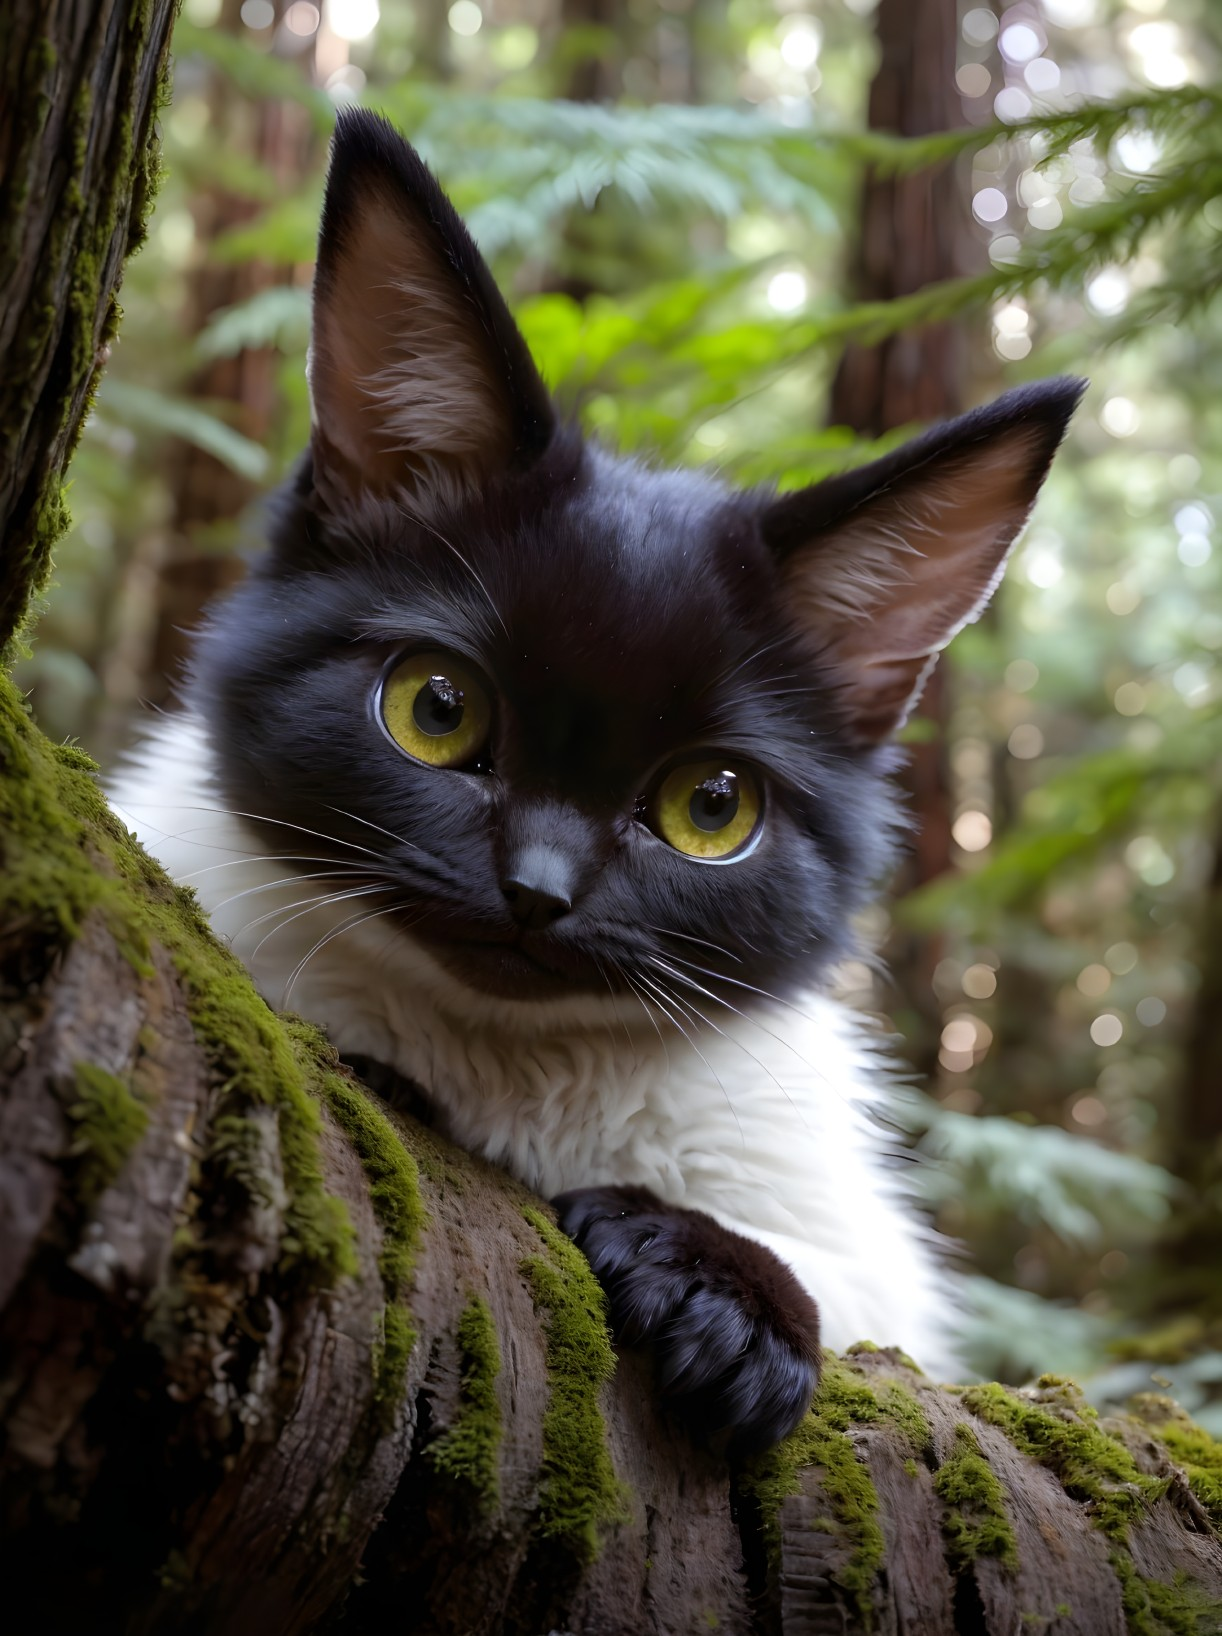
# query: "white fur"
{"type": "Point", "coordinates": [768, 1123]}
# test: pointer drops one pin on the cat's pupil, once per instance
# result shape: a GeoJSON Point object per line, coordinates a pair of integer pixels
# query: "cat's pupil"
{"type": "Point", "coordinates": [438, 707]}
{"type": "Point", "coordinates": [714, 802]}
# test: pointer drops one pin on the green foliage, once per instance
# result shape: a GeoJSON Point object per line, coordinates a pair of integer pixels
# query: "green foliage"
{"type": "Point", "coordinates": [159, 415]}
{"type": "Point", "coordinates": [279, 317]}
{"type": "Point", "coordinates": [1083, 1192]}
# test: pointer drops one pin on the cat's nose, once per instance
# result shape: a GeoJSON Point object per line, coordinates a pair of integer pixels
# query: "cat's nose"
{"type": "Point", "coordinates": [538, 887]}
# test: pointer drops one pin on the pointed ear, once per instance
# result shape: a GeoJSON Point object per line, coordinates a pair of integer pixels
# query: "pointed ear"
{"type": "Point", "coordinates": [884, 564]}
{"type": "Point", "coordinates": [419, 378]}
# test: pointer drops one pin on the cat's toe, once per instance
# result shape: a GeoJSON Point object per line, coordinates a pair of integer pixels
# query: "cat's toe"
{"type": "Point", "coordinates": [728, 1369]}
{"type": "Point", "coordinates": [735, 1335]}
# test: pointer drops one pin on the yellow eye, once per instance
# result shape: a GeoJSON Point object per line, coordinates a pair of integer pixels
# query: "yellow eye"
{"type": "Point", "coordinates": [708, 810]}
{"type": "Point", "coordinates": [436, 708]}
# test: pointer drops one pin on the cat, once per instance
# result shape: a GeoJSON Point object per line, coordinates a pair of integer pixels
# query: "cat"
{"type": "Point", "coordinates": [552, 782]}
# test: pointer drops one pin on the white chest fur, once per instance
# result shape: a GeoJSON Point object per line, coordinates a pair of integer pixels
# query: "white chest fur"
{"type": "Point", "coordinates": [767, 1120]}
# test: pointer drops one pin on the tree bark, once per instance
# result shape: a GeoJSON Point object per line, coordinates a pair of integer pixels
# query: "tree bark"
{"type": "Point", "coordinates": [274, 1358]}
{"type": "Point", "coordinates": [911, 235]}
{"type": "Point", "coordinates": [80, 82]}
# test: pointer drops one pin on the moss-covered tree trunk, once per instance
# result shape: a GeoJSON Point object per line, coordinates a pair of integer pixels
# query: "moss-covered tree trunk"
{"type": "Point", "coordinates": [272, 1359]}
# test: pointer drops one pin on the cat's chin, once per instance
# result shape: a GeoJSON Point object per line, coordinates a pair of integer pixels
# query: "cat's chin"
{"type": "Point", "coordinates": [507, 971]}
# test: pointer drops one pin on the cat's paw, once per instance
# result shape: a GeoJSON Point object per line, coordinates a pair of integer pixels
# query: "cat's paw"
{"type": "Point", "coordinates": [735, 1336]}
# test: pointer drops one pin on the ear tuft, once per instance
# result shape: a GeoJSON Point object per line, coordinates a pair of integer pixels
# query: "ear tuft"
{"type": "Point", "coordinates": [420, 380]}
{"type": "Point", "coordinates": [885, 563]}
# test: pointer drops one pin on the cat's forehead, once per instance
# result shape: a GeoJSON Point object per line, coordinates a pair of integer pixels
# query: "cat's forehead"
{"type": "Point", "coordinates": [628, 577]}
{"type": "Point", "coordinates": [660, 571]}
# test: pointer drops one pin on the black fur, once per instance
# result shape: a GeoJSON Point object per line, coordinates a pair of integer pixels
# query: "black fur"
{"type": "Point", "coordinates": [623, 618]}
{"type": "Point", "coordinates": [735, 1336]}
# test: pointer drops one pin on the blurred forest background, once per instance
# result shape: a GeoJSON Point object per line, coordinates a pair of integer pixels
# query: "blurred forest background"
{"type": "Point", "coordinates": [776, 235]}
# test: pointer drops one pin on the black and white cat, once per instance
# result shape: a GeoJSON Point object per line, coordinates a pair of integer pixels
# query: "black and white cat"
{"type": "Point", "coordinates": [552, 781]}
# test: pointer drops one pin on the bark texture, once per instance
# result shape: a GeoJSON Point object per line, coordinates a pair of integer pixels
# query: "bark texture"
{"type": "Point", "coordinates": [234, 1406]}
{"type": "Point", "coordinates": [272, 1358]}
{"type": "Point", "coordinates": [79, 86]}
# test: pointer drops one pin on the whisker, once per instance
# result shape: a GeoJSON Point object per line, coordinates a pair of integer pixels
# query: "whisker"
{"type": "Point", "coordinates": [606, 977]}
{"type": "Point", "coordinates": [284, 880]}
{"type": "Point", "coordinates": [360, 919]}
{"type": "Point", "coordinates": [356, 818]}
{"type": "Point", "coordinates": [321, 900]}
{"type": "Point", "coordinates": [653, 1020]}
{"type": "Point", "coordinates": [722, 977]}
{"type": "Point", "coordinates": [644, 1004]}
{"type": "Point", "coordinates": [752, 658]}
{"type": "Point", "coordinates": [805, 1061]}
{"type": "Point", "coordinates": [256, 817]}
{"type": "Point", "coordinates": [666, 931]}
{"type": "Point", "coordinates": [269, 857]}
{"type": "Point", "coordinates": [656, 988]}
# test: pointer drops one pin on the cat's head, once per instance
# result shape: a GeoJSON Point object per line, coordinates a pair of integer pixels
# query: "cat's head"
{"type": "Point", "coordinates": [588, 724]}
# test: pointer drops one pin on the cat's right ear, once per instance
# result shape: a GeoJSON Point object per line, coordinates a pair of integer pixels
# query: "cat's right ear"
{"type": "Point", "coordinates": [883, 564]}
{"type": "Point", "coordinates": [420, 382]}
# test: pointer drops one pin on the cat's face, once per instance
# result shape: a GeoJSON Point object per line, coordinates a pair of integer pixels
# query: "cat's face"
{"type": "Point", "coordinates": [585, 726]}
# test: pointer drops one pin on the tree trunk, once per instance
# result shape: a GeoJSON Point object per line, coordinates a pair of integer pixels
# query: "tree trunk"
{"type": "Point", "coordinates": [272, 1358]}
{"type": "Point", "coordinates": [911, 235]}
{"type": "Point", "coordinates": [80, 82]}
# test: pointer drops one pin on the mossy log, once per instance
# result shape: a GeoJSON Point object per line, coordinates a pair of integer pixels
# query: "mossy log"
{"type": "Point", "coordinates": [273, 1358]}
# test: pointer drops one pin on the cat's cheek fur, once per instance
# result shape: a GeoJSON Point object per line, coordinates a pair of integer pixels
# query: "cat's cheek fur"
{"type": "Point", "coordinates": [735, 1337]}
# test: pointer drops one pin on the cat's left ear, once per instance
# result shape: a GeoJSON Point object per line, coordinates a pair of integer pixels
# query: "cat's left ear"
{"type": "Point", "coordinates": [420, 381]}
{"type": "Point", "coordinates": [884, 564]}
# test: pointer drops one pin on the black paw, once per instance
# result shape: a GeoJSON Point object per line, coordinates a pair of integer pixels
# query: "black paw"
{"type": "Point", "coordinates": [735, 1336]}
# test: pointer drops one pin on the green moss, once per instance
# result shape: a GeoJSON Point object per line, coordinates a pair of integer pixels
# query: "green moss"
{"type": "Point", "coordinates": [581, 1495]}
{"type": "Point", "coordinates": [394, 1192]}
{"type": "Point", "coordinates": [1097, 1469]}
{"type": "Point", "coordinates": [900, 1406]}
{"type": "Point", "coordinates": [820, 1443]}
{"type": "Point", "coordinates": [470, 1449]}
{"type": "Point", "coordinates": [391, 1355]}
{"type": "Point", "coordinates": [1152, 1608]}
{"type": "Point", "coordinates": [975, 1523]}
{"type": "Point", "coordinates": [1062, 1434]}
{"type": "Point", "coordinates": [65, 857]}
{"type": "Point", "coordinates": [1190, 1447]}
{"type": "Point", "coordinates": [894, 1354]}
{"type": "Point", "coordinates": [108, 1119]}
